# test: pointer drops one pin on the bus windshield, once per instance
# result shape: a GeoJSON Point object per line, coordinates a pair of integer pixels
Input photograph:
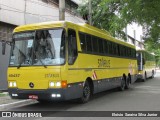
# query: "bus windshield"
{"type": "Point", "coordinates": [41, 47]}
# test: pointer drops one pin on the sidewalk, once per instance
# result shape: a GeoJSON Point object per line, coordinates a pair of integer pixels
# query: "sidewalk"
{"type": "Point", "coordinates": [5, 98]}
{"type": "Point", "coordinates": [3, 94]}
{"type": "Point", "coordinates": [7, 103]}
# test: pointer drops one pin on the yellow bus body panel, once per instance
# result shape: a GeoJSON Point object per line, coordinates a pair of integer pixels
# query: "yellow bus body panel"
{"type": "Point", "coordinates": [114, 68]}
{"type": "Point", "coordinates": [40, 76]}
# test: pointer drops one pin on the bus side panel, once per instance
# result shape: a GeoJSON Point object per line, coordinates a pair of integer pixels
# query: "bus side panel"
{"type": "Point", "coordinates": [106, 72]}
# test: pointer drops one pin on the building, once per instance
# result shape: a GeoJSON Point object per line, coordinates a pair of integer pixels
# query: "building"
{"type": "Point", "coordinates": [18, 12]}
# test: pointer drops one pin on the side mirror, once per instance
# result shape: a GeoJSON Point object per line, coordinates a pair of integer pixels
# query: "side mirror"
{"type": "Point", "coordinates": [3, 47]}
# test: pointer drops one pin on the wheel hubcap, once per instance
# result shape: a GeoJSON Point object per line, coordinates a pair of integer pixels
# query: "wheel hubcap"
{"type": "Point", "coordinates": [86, 92]}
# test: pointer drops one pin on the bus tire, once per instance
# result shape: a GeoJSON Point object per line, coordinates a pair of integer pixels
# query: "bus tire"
{"type": "Point", "coordinates": [128, 83]}
{"type": "Point", "coordinates": [122, 87]}
{"type": "Point", "coordinates": [145, 77]}
{"type": "Point", "coordinates": [86, 93]}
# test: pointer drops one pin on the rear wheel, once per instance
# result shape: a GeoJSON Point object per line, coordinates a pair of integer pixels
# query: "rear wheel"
{"type": "Point", "coordinates": [122, 87]}
{"type": "Point", "coordinates": [128, 83]}
{"type": "Point", "coordinates": [86, 93]}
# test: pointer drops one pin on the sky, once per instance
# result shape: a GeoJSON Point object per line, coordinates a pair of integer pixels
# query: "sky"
{"type": "Point", "coordinates": [138, 30]}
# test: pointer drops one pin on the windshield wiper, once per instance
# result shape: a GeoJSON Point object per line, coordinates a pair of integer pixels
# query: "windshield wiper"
{"type": "Point", "coordinates": [23, 57]}
{"type": "Point", "coordinates": [19, 66]}
{"type": "Point", "coordinates": [42, 63]}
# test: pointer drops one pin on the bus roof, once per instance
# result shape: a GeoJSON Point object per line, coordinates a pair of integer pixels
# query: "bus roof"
{"type": "Point", "coordinates": [37, 26]}
{"type": "Point", "coordinates": [81, 26]}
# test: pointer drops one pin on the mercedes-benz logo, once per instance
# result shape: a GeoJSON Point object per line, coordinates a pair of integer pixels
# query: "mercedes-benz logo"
{"type": "Point", "coordinates": [31, 85]}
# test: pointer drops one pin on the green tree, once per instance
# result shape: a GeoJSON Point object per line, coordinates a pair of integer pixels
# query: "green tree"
{"type": "Point", "coordinates": [103, 17]}
{"type": "Point", "coordinates": [115, 15]}
{"type": "Point", "coordinates": [143, 12]}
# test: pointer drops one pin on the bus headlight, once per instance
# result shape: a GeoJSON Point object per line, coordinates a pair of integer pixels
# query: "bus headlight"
{"type": "Point", "coordinates": [58, 84]}
{"type": "Point", "coordinates": [51, 84]}
{"type": "Point", "coordinates": [12, 84]}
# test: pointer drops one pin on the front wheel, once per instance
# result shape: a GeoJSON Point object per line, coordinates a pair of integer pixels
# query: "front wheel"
{"type": "Point", "coordinates": [86, 93]}
{"type": "Point", "coordinates": [128, 83]}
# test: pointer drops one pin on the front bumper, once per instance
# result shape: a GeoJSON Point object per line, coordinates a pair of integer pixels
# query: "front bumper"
{"type": "Point", "coordinates": [65, 93]}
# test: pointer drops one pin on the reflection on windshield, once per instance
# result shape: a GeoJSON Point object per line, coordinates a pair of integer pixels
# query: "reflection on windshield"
{"type": "Point", "coordinates": [43, 47]}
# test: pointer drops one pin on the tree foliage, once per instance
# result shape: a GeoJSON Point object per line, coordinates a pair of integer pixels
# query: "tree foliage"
{"type": "Point", "coordinates": [115, 15]}
{"type": "Point", "coordinates": [143, 12]}
{"type": "Point", "coordinates": [103, 17]}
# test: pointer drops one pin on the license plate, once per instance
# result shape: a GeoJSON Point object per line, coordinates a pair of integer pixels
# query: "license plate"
{"type": "Point", "coordinates": [33, 97]}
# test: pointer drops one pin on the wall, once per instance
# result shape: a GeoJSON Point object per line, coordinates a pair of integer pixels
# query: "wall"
{"type": "Point", "coordinates": [18, 12]}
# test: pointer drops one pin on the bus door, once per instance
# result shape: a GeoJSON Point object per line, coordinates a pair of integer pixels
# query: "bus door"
{"type": "Point", "coordinates": [73, 61]}
{"type": "Point", "coordinates": [140, 61]}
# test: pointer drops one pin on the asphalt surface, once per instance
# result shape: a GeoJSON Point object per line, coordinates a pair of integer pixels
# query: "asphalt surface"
{"type": "Point", "coordinates": [142, 96]}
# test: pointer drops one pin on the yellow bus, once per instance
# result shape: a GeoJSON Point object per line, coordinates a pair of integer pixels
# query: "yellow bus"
{"type": "Point", "coordinates": [62, 60]}
{"type": "Point", "coordinates": [146, 65]}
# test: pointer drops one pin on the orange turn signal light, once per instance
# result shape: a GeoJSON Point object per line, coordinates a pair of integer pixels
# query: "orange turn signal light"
{"type": "Point", "coordinates": [64, 84]}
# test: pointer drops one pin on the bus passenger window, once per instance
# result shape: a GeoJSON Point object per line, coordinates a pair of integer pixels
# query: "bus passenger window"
{"type": "Point", "coordinates": [100, 44]}
{"type": "Point", "coordinates": [83, 42]}
{"type": "Point", "coordinates": [109, 48]}
{"type": "Point", "coordinates": [89, 43]}
{"type": "Point", "coordinates": [118, 50]}
{"type": "Point", "coordinates": [72, 46]}
{"type": "Point", "coordinates": [106, 47]}
{"type": "Point", "coordinates": [95, 44]}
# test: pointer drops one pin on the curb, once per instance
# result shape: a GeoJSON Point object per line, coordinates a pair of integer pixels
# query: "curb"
{"type": "Point", "coordinates": [17, 104]}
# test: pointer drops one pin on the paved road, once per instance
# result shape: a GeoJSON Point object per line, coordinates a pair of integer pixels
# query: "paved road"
{"type": "Point", "coordinates": [142, 96]}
